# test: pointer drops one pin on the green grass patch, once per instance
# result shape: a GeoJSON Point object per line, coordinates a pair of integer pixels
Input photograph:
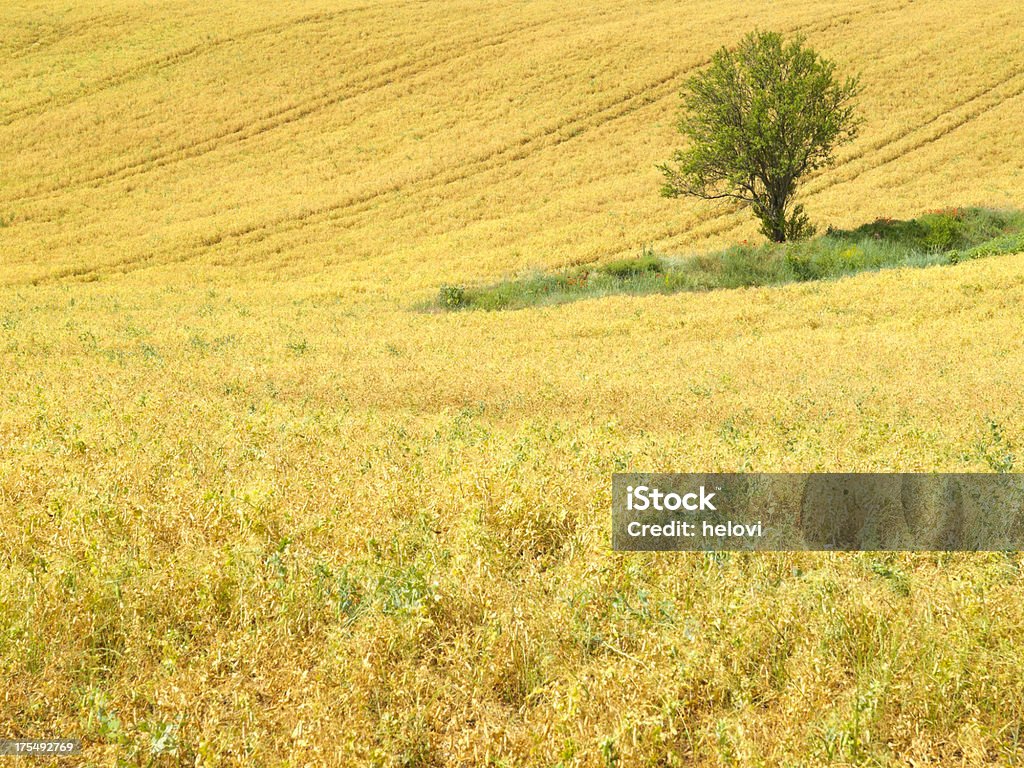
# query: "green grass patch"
{"type": "Point", "coordinates": [940, 237]}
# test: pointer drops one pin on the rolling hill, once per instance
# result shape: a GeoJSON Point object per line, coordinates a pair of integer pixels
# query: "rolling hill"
{"type": "Point", "coordinates": [257, 510]}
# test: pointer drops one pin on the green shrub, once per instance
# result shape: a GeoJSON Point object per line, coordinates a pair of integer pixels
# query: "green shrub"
{"type": "Point", "coordinates": [798, 226]}
{"type": "Point", "coordinates": [801, 265]}
{"type": "Point", "coordinates": [624, 268]}
{"type": "Point", "coordinates": [910, 234]}
{"type": "Point", "coordinates": [942, 233]}
{"type": "Point", "coordinates": [451, 296]}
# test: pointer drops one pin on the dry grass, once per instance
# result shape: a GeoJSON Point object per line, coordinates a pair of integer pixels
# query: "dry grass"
{"type": "Point", "coordinates": [251, 502]}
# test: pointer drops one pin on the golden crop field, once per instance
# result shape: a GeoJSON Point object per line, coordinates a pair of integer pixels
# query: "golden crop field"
{"type": "Point", "coordinates": [255, 509]}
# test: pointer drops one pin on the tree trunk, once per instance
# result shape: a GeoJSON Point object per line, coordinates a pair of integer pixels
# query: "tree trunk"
{"type": "Point", "coordinates": [773, 220]}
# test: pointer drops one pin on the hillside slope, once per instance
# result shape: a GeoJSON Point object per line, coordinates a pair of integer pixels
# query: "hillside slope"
{"type": "Point", "coordinates": [249, 499]}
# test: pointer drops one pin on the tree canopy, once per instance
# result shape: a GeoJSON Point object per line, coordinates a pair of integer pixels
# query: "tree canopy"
{"type": "Point", "coordinates": [758, 119]}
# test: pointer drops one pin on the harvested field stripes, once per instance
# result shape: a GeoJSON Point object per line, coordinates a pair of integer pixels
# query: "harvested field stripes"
{"type": "Point", "coordinates": [877, 155]}
{"type": "Point", "coordinates": [505, 157]}
{"type": "Point", "coordinates": [550, 136]}
{"type": "Point", "coordinates": [284, 116]}
{"type": "Point", "coordinates": [168, 61]}
{"type": "Point", "coordinates": [57, 33]}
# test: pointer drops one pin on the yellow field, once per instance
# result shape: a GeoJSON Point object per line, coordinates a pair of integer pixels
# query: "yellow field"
{"type": "Point", "coordinates": [251, 502]}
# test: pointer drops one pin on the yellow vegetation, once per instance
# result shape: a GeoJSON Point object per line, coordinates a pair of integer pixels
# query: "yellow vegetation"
{"type": "Point", "coordinates": [251, 502]}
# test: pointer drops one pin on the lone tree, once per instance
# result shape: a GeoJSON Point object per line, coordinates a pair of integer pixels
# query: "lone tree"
{"type": "Point", "coordinates": [758, 119]}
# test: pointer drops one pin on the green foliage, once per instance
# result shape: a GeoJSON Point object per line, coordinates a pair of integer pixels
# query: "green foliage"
{"type": "Point", "coordinates": [975, 231]}
{"type": "Point", "coordinates": [995, 449]}
{"type": "Point", "coordinates": [758, 119]}
{"type": "Point", "coordinates": [609, 752]}
{"type": "Point", "coordinates": [943, 234]}
{"type": "Point", "coordinates": [298, 347]}
{"type": "Point", "coordinates": [631, 267]}
{"type": "Point", "coordinates": [796, 226]}
{"type": "Point", "coordinates": [935, 238]}
{"type": "Point", "coordinates": [101, 721]}
{"type": "Point", "coordinates": [163, 738]}
{"type": "Point", "coordinates": [451, 296]}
